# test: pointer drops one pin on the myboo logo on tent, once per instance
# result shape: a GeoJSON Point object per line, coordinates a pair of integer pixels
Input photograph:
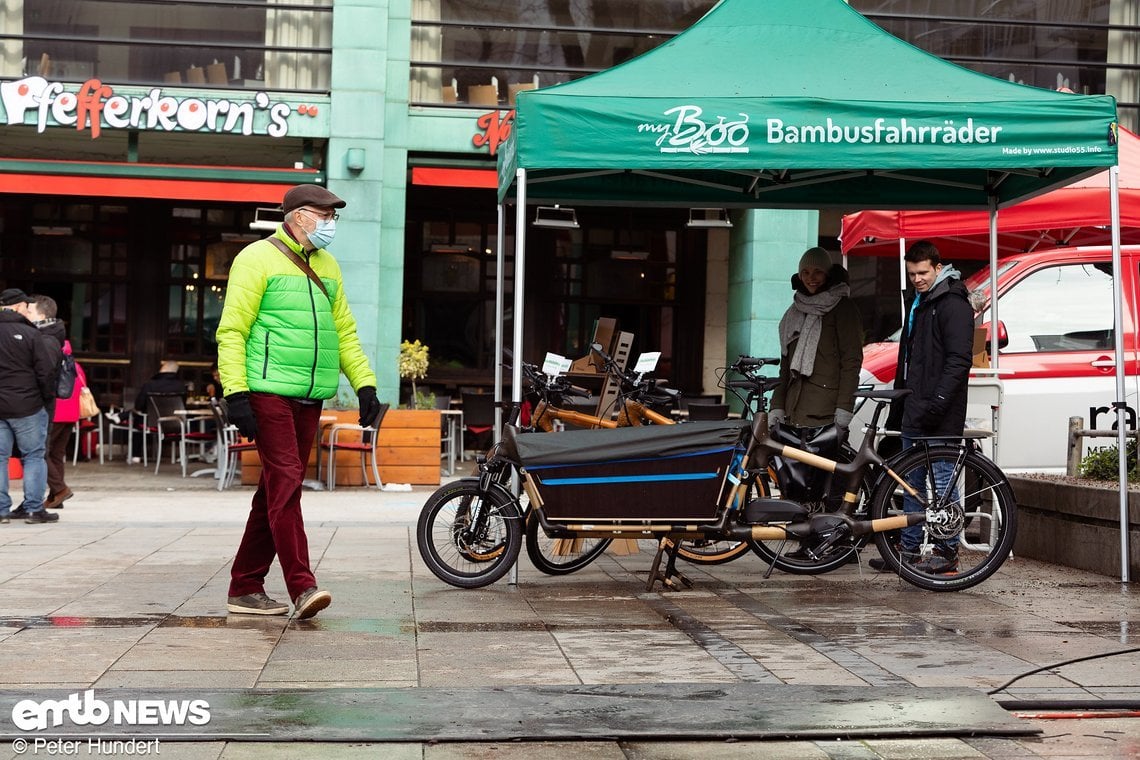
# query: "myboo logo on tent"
{"type": "Point", "coordinates": [87, 710]}
{"type": "Point", "coordinates": [689, 133]}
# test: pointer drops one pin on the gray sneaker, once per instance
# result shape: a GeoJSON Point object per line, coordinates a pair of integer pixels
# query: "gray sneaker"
{"type": "Point", "coordinates": [41, 516]}
{"type": "Point", "coordinates": [256, 604]}
{"type": "Point", "coordinates": [310, 602]}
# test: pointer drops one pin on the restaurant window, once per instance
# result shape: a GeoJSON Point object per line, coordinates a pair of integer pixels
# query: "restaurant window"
{"type": "Point", "coordinates": [640, 267]}
{"type": "Point", "coordinates": [241, 44]}
{"type": "Point", "coordinates": [483, 52]}
{"type": "Point", "coordinates": [204, 243]}
{"type": "Point", "coordinates": [450, 275]}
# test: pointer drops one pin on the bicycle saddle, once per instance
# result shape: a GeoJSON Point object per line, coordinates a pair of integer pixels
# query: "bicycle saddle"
{"type": "Point", "coordinates": [890, 394]}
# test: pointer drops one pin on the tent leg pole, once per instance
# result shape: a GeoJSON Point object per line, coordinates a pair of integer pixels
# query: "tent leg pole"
{"type": "Point", "coordinates": [500, 286]}
{"type": "Point", "coordinates": [517, 316]}
{"type": "Point", "coordinates": [995, 360]}
{"type": "Point", "coordinates": [902, 280]}
{"type": "Point", "coordinates": [1118, 347]}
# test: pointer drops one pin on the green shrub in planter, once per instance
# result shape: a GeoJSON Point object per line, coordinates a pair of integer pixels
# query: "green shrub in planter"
{"type": "Point", "coordinates": [1103, 463]}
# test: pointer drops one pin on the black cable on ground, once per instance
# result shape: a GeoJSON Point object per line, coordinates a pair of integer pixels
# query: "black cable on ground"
{"type": "Point", "coordinates": [1050, 709]}
{"type": "Point", "coordinates": [1115, 705]}
{"type": "Point", "coordinates": [1017, 678]}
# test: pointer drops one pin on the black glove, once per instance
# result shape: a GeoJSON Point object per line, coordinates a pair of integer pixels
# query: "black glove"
{"type": "Point", "coordinates": [369, 406]}
{"type": "Point", "coordinates": [240, 414]}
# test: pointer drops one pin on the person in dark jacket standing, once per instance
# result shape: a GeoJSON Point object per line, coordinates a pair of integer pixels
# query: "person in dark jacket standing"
{"type": "Point", "coordinates": [821, 348]}
{"type": "Point", "coordinates": [935, 355]}
{"type": "Point", "coordinates": [64, 411]}
{"type": "Point", "coordinates": [285, 335]}
{"type": "Point", "coordinates": [28, 370]}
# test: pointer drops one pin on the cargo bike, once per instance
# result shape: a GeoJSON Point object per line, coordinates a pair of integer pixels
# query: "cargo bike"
{"type": "Point", "coordinates": [707, 481]}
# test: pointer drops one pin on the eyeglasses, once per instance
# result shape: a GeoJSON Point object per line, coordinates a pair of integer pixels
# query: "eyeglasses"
{"type": "Point", "coordinates": [327, 217]}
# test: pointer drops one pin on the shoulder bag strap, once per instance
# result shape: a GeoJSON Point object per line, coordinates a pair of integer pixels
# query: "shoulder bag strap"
{"type": "Point", "coordinates": [301, 264]}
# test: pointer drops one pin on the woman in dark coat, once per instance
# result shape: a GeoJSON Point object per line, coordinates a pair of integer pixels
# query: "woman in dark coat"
{"type": "Point", "coordinates": [821, 348]}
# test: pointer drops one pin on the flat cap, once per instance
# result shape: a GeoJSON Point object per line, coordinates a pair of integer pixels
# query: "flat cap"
{"type": "Point", "coordinates": [310, 195]}
{"type": "Point", "coordinates": [13, 296]}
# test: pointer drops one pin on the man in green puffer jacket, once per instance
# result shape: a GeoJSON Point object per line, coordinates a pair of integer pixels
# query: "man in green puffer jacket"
{"type": "Point", "coordinates": [284, 337]}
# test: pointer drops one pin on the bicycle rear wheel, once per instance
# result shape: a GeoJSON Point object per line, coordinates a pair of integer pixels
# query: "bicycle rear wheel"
{"type": "Point", "coordinates": [974, 508]}
{"type": "Point", "coordinates": [467, 537]}
{"type": "Point", "coordinates": [560, 556]}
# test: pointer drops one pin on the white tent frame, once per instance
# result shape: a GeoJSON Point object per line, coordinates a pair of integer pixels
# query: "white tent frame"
{"type": "Point", "coordinates": [519, 304]}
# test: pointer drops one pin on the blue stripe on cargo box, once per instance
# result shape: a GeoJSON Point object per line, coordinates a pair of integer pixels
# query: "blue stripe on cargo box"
{"type": "Point", "coordinates": [626, 479]}
{"type": "Point", "coordinates": [702, 453]}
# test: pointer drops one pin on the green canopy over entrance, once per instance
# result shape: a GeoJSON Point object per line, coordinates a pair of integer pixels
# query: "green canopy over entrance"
{"type": "Point", "coordinates": [800, 104]}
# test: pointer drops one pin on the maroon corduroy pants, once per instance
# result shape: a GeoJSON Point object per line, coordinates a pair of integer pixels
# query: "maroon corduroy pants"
{"type": "Point", "coordinates": [286, 429]}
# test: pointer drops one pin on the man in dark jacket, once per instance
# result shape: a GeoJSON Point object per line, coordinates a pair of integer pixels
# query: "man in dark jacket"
{"type": "Point", "coordinates": [935, 354]}
{"type": "Point", "coordinates": [28, 368]}
{"type": "Point", "coordinates": [164, 383]}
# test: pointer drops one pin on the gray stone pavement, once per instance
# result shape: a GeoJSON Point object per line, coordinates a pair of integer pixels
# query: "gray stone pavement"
{"type": "Point", "coordinates": [127, 594]}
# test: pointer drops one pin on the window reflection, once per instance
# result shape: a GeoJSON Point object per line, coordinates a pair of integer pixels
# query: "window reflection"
{"type": "Point", "coordinates": [218, 44]}
{"type": "Point", "coordinates": [483, 52]}
{"type": "Point", "coordinates": [1052, 44]}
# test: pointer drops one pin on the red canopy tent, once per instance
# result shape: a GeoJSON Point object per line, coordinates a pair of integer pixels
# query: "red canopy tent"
{"type": "Point", "coordinates": [1077, 214]}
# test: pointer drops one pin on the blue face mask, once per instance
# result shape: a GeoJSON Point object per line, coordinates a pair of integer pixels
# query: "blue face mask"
{"type": "Point", "coordinates": [323, 234]}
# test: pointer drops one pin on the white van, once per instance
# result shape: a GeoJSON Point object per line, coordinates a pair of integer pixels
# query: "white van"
{"type": "Point", "coordinates": [1056, 355]}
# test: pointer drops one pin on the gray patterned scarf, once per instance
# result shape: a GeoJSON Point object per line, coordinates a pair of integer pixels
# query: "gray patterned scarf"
{"type": "Point", "coordinates": [803, 319]}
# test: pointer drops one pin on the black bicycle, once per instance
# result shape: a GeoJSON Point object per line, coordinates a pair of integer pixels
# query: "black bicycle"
{"type": "Point", "coordinates": [679, 482]}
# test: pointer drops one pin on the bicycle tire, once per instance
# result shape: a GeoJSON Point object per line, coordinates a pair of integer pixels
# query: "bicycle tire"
{"type": "Point", "coordinates": [466, 553]}
{"type": "Point", "coordinates": [560, 556]}
{"type": "Point", "coordinates": [706, 551]}
{"type": "Point", "coordinates": [711, 552]}
{"type": "Point", "coordinates": [799, 558]}
{"type": "Point", "coordinates": [984, 509]}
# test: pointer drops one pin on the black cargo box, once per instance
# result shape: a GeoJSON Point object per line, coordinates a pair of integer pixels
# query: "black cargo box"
{"type": "Point", "coordinates": [657, 472]}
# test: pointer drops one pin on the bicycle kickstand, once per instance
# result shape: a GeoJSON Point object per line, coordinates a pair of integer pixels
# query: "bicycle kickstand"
{"type": "Point", "coordinates": [668, 545]}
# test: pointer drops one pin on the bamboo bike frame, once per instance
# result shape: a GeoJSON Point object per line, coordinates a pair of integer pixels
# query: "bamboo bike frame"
{"type": "Point", "coordinates": [632, 414]}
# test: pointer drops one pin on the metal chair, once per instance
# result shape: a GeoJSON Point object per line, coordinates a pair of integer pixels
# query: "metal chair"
{"type": "Point", "coordinates": [478, 419]}
{"type": "Point", "coordinates": [230, 444]}
{"type": "Point", "coordinates": [449, 429]}
{"type": "Point", "coordinates": [89, 427]}
{"type": "Point", "coordinates": [366, 447]}
{"type": "Point", "coordinates": [129, 422]}
{"type": "Point", "coordinates": [168, 421]}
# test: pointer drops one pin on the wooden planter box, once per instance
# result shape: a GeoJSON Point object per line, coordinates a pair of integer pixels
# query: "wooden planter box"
{"type": "Point", "coordinates": [1075, 524]}
{"type": "Point", "coordinates": [408, 450]}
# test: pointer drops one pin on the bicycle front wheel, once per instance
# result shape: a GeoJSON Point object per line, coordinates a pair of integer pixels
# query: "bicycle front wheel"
{"type": "Point", "coordinates": [560, 556]}
{"type": "Point", "coordinates": [971, 517]}
{"type": "Point", "coordinates": [467, 537]}
{"type": "Point", "coordinates": [710, 551]}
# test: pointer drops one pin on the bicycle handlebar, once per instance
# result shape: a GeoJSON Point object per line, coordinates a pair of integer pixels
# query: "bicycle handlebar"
{"type": "Point", "coordinates": [751, 362]}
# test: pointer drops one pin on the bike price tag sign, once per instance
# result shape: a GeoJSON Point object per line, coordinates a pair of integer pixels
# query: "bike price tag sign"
{"type": "Point", "coordinates": [647, 362]}
{"type": "Point", "coordinates": [555, 364]}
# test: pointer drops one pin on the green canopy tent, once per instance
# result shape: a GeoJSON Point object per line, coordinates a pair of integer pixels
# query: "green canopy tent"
{"type": "Point", "coordinates": [795, 104]}
{"type": "Point", "coordinates": [799, 104]}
